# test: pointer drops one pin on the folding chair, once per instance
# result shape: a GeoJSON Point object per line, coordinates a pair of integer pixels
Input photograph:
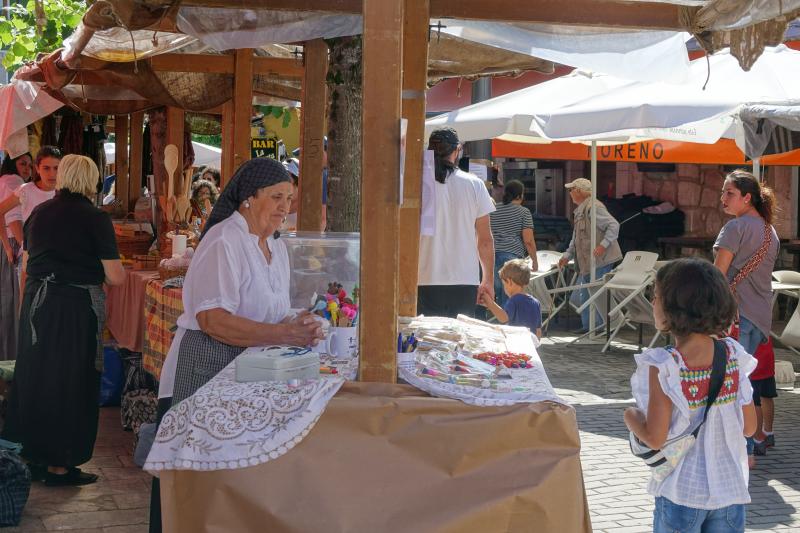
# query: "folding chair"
{"type": "Point", "coordinates": [785, 282]}
{"type": "Point", "coordinates": [629, 279]}
{"type": "Point", "coordinates": [638, 310]}
{"type": "Point", "coordinates": [547, 262]}
{"type": "Point", "coordinates": [791, 333]}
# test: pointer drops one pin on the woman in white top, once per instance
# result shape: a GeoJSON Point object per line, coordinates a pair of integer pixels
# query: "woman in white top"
{"type": "Point", "coordinates": [236, 292]}
{"type": "Point", "coordinates": [707, 490]}
{"type": "Point", "coordinates": [29, 195]}
{"type": "Point", "coordinates": [13, 173]}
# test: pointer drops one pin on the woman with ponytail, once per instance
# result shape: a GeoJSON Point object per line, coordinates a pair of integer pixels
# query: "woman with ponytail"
{"type": "Point", "coordinates": [450, 282]}
{"type": "Point", "coordinates": [512, 229]}
{"type": "Point", "coordinates": [746, 250]}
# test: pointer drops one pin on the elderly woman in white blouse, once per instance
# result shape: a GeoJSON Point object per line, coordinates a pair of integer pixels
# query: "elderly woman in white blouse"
{"type": "Point", "coordinates": [236, 292]}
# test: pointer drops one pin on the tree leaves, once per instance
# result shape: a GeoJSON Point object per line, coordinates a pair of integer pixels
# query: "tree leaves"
{"type": "Point", "coordinates": [18, 29]}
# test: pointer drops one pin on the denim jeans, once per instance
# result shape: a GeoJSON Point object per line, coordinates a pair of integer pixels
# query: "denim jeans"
{"type": "Point", "coordinates": [670, 517]}
{"type": "Point", "coordinates": [578, 297]}
{"type": "Point", "coordinates": [500, 259]}
{"type": "Point", "coordinates": [749, 336]}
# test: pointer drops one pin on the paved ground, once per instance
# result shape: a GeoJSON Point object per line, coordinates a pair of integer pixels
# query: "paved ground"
{"type": "Point", "coordinates": [597, 384]}
{"type": "Point", "coordinates": [616, 482]}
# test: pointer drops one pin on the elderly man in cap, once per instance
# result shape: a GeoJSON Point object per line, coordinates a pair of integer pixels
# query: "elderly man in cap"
{"type": "Point", "coordinates": [607, 251]}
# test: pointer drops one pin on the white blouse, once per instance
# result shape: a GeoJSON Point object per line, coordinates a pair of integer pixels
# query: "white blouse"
{"type": "Point", "coordinates": [30, 196]}
{"type": "Point", "coordinates": [8, 184]}
{"type": "Point", "coordinates": [714, 473]}
{"type": "Point", "coordinates": [229, 271]}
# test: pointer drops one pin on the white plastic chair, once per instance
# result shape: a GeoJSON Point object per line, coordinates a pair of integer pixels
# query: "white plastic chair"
{"type": "Point", "coordinates": [785, 282]}
{"type": "Point", "coordinates": [547, 262]}
{"type": "Point", "coordinates": [626, 282]}
{"type": "Point", "coordinates": [791, 333]}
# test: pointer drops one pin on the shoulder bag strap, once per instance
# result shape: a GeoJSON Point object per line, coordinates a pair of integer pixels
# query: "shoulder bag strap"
{"type": "Point", "coordinates": [755, 260]}
{"type": "Point", "coordinates": [717, 379]}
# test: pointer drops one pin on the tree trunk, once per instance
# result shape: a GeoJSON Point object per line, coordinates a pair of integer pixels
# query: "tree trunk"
{"type": "Point", "coordinates": [344, 134]}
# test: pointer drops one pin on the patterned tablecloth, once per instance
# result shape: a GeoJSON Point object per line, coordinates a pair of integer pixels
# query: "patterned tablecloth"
{"type": "Point", "coordinates": [229, 425]}
{"type": "Point", "coordinates": [162, 307]}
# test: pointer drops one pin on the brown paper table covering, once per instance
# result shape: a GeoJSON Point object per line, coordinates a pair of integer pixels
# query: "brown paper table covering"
{"type": "Point", "coordinates": [162, 307]}
{"type": "Point", "coordinates": [389, 458]}
{"type": "Point", "coordinates": [124, 304]}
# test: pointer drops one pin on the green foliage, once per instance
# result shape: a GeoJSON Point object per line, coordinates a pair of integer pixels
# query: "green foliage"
{"type": "Point", "coordinates": [21, 37]}
{"type": "Point", "coordinates": [278, 112]}
{"type": "Point", "coordinates": [212, 140]}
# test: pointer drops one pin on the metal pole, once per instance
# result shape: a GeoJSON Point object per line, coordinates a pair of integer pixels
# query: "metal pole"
{"type": "Point", "coordinates": [593, 234]}
{"type": "Point", "coordinates": [757, 168]}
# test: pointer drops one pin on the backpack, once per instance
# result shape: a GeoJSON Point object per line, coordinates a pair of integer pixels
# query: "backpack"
{"type": "Point", "coordinates": [15, 486]}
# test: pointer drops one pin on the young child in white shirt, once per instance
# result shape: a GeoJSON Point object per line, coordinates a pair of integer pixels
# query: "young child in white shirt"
{"type": "Point", "coordinates": [707, 490]}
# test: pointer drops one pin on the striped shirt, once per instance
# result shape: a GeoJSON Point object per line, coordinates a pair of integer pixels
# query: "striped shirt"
{"type": "Point", "coordinates": [508, 221]}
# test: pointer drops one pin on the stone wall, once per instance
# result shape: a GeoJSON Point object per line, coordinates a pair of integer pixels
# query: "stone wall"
{"type": "Point", "coordinates": [695, 190]}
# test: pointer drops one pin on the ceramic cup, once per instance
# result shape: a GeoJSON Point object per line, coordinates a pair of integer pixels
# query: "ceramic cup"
{"type": "Point", "coordinates": [343, 342]}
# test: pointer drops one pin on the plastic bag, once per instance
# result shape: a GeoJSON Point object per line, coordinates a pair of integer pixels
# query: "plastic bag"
{"type": "Point", "coordinates": [112, 379]}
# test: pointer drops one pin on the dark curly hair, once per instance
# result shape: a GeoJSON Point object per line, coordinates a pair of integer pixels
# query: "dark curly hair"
{"type": "Point", "coordinates": [763, 197]}
{"type": "Point", "coordinates": [695, 297]}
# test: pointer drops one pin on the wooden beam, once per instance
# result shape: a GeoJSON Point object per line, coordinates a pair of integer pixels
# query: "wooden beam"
{"type": "Point", "coordinates": [227, 143]}
{"type": "Point", "coordinates": [380, 184]}
{"type": "Point", "coordinates": [135, 168]}
{"type": "Point", "coordinates": [415, 61]}
{"type": "Point", "coordinates": [225, 64]}
{"type": "Point", "coordinates": [121, 161]}
{"type": "Point", "coordinates": [242, 106]}
{"type": "Point", "coordinates": [618, 13]}
{"type": "Point", "coordinates": [175, 127]}
{"type": "Point", "coordinates": [312, 132]}
{"type": "Point", "coordinates": [650, 15]}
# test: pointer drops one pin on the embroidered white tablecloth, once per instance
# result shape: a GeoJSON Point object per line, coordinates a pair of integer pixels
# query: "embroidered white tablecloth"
{"type": "Point", "coordinates": [228, 425]}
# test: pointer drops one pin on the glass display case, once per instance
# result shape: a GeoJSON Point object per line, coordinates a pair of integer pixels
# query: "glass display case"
{"type": "Point", "coordinates": [317, 259]}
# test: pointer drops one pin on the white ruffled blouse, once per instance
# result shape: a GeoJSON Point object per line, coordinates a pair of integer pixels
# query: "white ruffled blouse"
{"type": "Point", "coordinates": [714, 473]}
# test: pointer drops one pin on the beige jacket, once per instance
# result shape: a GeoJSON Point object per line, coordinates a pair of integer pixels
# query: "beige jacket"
{"type": "Point", "coordinates": [607, 233]}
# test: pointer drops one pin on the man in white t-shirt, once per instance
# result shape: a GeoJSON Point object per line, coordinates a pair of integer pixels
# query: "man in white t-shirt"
{"type": "Point", "coordinates": [456, 263]}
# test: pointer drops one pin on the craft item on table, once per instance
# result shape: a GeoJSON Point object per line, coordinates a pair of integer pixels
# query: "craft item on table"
{"type": "Point", "coordinates": [336, 306]}
{"type": "Point", "coordinates": [343, 342]}
{"type": "Point", "coordinates": [346, 367]}
{"type": "Point", "coordinates": [178, 245]}
{"type": "Point", "coordinates": [506, 359]}
{"type": "Point", "coordinates": [175, 266]}
{"type": "Point", "coordinates": [277, 363]}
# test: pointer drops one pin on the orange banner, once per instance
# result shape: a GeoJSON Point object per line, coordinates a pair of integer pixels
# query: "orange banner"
{"type": "Point", "coordinates": [724, 152]}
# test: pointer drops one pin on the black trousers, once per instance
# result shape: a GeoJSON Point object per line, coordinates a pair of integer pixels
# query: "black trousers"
{"type": "Point", "coordinates": [446, 300]}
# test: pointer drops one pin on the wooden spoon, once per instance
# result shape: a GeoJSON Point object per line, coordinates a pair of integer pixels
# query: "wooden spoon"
{"type": "Point", "coordinates": [171, 164]}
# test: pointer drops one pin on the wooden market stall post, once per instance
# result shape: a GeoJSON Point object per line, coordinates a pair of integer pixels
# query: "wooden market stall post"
{"type": "Point", "coordinates": [415, 82]}
{"type": "Point", "coordinates": [312, 133]}
{"type": "Point", "coordinates": [135, 165]}
{"type": "Point", "coordinates": [121, 161]}
{"type": "Point", "coordinates": [242, 107]}
{"type": "Point", "coordinates": [380, 187]}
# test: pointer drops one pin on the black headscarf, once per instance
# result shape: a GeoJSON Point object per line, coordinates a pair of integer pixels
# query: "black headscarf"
{"type": "Point", "coordinates": [253, 175]}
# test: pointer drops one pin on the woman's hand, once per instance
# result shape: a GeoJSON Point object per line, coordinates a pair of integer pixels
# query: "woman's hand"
{"type": "Point", "coordinates": [302, 329]}
{"type": "Point", "coordinates": [12, 259]}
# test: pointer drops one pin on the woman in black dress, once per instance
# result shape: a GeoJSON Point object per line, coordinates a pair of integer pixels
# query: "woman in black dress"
{"type": "Point", "coordinates": [53, 408]}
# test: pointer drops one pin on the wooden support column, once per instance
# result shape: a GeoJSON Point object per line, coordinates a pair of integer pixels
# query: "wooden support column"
{"type": "Point", "coordinates": [312, 132]}
{"type": "Point", "coordinates": [227, 143]}
{"type": "Point", "coordinates": [415, 82]}
{"type": "Point", "coordinates": [121, 160]}
{"type": "Point", "coordinates": [175, 126]}
{"type": "Point", "coordinates": [380, 184]}
{"type": "Point", "coordinates": [135, 168]}
{"type": "Point", "coordinates": [242, 106]}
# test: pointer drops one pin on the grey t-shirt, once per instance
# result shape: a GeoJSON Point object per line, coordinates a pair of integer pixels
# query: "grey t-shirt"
{"type": "Point", "coordinates": [743, 236]}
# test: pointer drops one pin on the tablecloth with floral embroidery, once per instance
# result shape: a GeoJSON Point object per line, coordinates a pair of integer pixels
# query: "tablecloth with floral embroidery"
{"type": "Point", "coordinates": [228, 425]}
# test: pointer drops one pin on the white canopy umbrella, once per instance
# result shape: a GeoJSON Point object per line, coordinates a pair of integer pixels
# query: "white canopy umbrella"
{"type": "Point", "coordinates": [703, 109]}
{"type": "Point", "coordinates": [510, 116]}
{"type": "Point", "coordinates": [204, 154]}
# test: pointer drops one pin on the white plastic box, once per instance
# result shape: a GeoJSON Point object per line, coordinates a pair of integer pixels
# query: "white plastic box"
{"type": "Point", "coordinates": [317, 259]}
{"type": "Point", "coordinates": [276, 363]}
